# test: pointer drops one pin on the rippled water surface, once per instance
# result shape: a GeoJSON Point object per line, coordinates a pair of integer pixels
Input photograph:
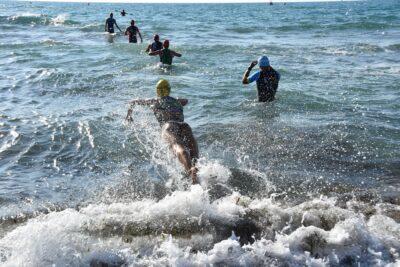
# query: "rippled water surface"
{"type": "Point", "coordinates": [312, 178]}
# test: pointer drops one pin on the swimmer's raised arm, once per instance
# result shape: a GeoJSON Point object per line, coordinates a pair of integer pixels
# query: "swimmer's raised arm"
{"type": "Point", "coordinates": [245, 79]}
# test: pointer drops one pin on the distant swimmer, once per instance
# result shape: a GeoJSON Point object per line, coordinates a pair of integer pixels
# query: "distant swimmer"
{"type": "Point", "coordinates": [166, 55]}
{"type": "Point", "coordinates": [123, 13]}
{"type": "Point", "coordinates": [267, 79]}
{"type": "Point", "coordinates": [177, 133]}
{"type": "Point", "coordinates": [156, 45]}
{"type": "Point", "coordinates": [109, 26]}
{"type": "Point", "coordinates": [132, 32]}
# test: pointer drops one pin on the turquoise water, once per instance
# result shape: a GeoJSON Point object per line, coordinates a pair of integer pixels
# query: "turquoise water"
{"type": "Point", "coordinates": [320, 163]}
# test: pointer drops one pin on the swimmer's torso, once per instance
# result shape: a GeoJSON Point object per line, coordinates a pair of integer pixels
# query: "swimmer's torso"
{"type": "Point", "coordinates": [166, 56]}
{"type": "Point", "coordinates": [132, 30]}
{"type": "Point", "coordinates": [155, 46]}
{"type": "Point", "coordinates": [267, 84]}
{"type": "Point", "coordinates": [110, 23]}
{"type": "Point", "coordinates": [168, 109]}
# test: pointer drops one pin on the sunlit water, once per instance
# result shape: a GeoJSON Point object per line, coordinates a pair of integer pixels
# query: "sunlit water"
{"type": "Point", "coordinates": [312, 178]}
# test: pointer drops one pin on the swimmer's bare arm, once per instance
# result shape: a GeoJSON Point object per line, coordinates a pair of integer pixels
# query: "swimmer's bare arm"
{"type": "Point", "coordinates": [245, 79]}
{"type": "Point", "coordinates": [141, 40]}
{"type": "Point", "coordinates": [173, 53]}
{"type": "Point", "coordinates": [140, 102]}
{"type": "Point", "coordinates": [148, 48]}
{"type": "Point", "coordinates": [117, 26]}
{"type": "Point", "coordinates": [154, 53]}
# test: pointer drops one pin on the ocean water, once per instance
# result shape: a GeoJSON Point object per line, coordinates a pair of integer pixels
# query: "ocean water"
{"type": "Point", "coordinates": [310, 179]}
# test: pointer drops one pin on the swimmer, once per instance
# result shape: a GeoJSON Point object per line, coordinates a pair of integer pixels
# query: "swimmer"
{"type": "Point", "coordinates": [109, 26]}
{"type": "Point", "coordinates": [156, 45]}
{"type": "Point", "coordinates": [177, 133]}
{"type": "Point", "coordinates": [132, 31]}
{"type": "Point", "coordinates": [267, 79]}
{"type": "Point", "coordinates": [123, 13]}
{"type": "Point", "coordinates": [166, 55]}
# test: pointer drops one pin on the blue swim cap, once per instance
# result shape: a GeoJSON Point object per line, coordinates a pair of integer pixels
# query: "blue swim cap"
{"type": "Point", "coordinates": [263, 61]}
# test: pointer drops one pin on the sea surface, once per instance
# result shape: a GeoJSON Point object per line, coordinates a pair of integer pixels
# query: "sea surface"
{"type": "Point", "coordinates": [311, 179]}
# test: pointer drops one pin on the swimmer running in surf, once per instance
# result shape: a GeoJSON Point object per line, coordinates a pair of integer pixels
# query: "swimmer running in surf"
{"type": "Point", "coordinates": [166, 55]}
{"type": "Point", "coordinates": [177, 133]}
{"type": "Point", "coordinates": [109, 26]}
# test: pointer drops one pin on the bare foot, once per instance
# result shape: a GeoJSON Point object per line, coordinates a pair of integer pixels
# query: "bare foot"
{"type": "Point", "coordinates": [193, 173]}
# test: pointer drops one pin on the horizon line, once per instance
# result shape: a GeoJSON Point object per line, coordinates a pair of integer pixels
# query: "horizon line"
{"type": "Point", "coordinates": [189, 2]}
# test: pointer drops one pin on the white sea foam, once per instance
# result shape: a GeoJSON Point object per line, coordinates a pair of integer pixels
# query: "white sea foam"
{"type": "Point", "coordinates": [317, 233]}
{"type": "Point", "coordinates": [60, 19]}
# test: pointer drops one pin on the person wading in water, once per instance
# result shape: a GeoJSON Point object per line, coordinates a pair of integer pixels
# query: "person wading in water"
{"type": "Point", "coordinates": [166, 55]}
{"type": "Point", "coordinates": [267, 79]}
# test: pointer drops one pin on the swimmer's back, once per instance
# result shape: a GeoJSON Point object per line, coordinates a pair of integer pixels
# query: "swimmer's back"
{"type": "Point", "coordinates": [168, 109]}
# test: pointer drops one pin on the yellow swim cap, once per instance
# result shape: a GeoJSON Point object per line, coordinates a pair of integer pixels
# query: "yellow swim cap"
{"type": "Point", "coordinates": [163, 88]}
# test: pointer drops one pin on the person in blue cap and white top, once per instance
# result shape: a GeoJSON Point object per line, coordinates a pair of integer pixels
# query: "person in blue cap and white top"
{"type": "Point", "coordinates": [267, 79]}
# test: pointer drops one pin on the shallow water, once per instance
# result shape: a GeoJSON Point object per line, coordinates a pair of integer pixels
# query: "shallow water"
{"type": "Point", "coordinates": [314, 175]}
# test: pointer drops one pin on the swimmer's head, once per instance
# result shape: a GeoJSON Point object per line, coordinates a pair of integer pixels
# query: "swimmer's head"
{"type": "Point", "coordinates": [263, 62]}
{"type": "Point", "coordinates": [156, 38]}
{"type": "Point", "coordinates": [132, 22]}
{"type": "Point", "coordinates": [163, 88]}
{"type": "Point", "coordinates": [111, 15]}
{"type": "Point", "coordinates": [166, 44]}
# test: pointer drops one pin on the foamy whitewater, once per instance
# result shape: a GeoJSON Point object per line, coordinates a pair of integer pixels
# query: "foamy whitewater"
{"type": "Point", "coordinates": [309, 180]}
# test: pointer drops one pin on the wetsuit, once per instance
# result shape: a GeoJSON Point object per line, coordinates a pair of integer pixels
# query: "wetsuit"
{"type": "Point", "coordinates": [132, 31]}
{"type": "Point", "coordinates": [166, 56]}
{"type": "Point", "coordinates": [168, 109]}
{"type": "Point", "coordinates": [110, 24]}
{"type": "Point", "coordinates": [155, 46]}
{"type": "Point", "coordinates": [267, 84]}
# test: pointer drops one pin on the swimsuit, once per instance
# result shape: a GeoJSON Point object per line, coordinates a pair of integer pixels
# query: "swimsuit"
{"type": "Point", "coordinates": [166, 56]}
{"type": "Point", "coordinates": [267, 84]}
{"type": "Point", "coordinates": [168, 109]}
{"type": "Point", "coordinates": [132, 34]}
{"type": "Point", "coordinates": [110, 25]}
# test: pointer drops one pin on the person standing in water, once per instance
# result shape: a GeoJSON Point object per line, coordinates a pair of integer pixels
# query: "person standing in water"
{"type": "Point", "coordinates": [156, 45]}
{"type": "Point", "coordinates": [132, 32]}
{"type": "Point", "coordinates": [123, 13]}
{"type": "Point", "coordinates": [267, 79]}
{"type": "Point", "coordinates": [109, 26]}
{"type": "Point", "coordinates": [166, 55]}
{"type": "Point", "coordinates": [177, 133]}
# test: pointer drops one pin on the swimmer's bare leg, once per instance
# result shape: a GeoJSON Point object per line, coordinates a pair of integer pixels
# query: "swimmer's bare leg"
{"type": "Point", "coordinates": [170, 133]}
{"type": "Point", "coordinates": [190, 141]}
{"type": "Point", "coordinates": [191, 144]}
